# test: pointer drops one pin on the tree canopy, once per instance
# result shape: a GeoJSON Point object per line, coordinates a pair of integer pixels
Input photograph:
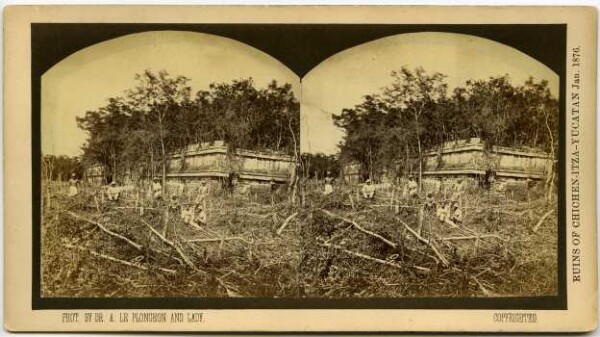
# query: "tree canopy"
{"type": "Point", "coordinates": [161, 114]}
{"type": "Point", "coordinates": [415, 113]}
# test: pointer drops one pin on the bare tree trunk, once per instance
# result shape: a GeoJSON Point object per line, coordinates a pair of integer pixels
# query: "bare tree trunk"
{"type": "Point", "coordinates": [114, 173]}
{"type": "Point", "coordinates": [296, 160]}
{"type": "Point", "coordinates": [163, 175]}
{"type": "Point", "coordinates": [550, 177]}
{"type": "Point", "coordinates": [407, 164]}
{"type": "Point", "coordinates": [370, 163]}
{"type": "Point", "coordinates": [420, 152]}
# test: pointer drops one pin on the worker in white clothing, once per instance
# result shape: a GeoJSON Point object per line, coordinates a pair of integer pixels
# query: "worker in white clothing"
{"type": "Point", "coordinates": [368, 190]}
{"type": "Point", "coordinates": [156, 189]}
{"type": "Point", "coordinates": [73, 183]}
{"type": "Point", "coordinates": [456, 216]}
{"type": "Point", "coordinates": [328, 184]}
{"type": "Point", "coordinates": [443, 211]}
{"type": "Point", "coordinates": [413, 187]}
{"type": "Point", "coordinates": [113, 191]}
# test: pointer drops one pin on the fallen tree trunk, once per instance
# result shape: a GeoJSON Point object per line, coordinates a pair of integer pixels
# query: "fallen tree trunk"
{"type": "Point", "coordinates": [114, 259]}
{"type": "Point", "coordinates": [107, 231]}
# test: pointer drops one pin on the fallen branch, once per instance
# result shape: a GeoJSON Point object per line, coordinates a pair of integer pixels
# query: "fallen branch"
{"type": "Point", "coordinates": [114, 259]}
{"type": "Point", "coordinates": [472, 237]}
{"type": "Point", "coordinates": [171, 244]}
{"type": "Point", "coordinates": [420, 238]}
{"type": "Point", "coordinates": [107, 231]}
{"type": "Point", "coordinates": [399, 206]}
{"type": "Point", "coordinates": [216, 240]}
{"type": "Point", "coordinates": [366, 231]}
{"type": "Point", "coordinates": [484, 290]}
{"type": "Point", "coordinates": [360, 255]}
{"type": "Point", "coordinates": [541, 221]}
{"type": "Point", "coordinates": [133, 207]}
{"type": "Point", "coordinates": [286, 222]}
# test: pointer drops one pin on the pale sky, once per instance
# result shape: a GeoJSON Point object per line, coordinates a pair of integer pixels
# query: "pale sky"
{"type": "Point", "coordinates": [345, 78]}
{"type": "Point", "coordinates": [84, 80]}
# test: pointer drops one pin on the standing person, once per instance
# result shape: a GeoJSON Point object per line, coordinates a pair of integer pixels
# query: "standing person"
{"type": "Point", "coordinates": [368, 190]}
{"type": "Point", "coordinates": [404, 187]}
{"type": "Point", "coordinates": [429, 202]}
{"type": "Point", "coordinates": [174, 204]}
{"type": "Point", "coordinates": [203, 194]}
{"type": "Point", "coordinates": [413, 187]}
{"type": "Point", "coordinates": [156, 189]}
{"type": "Point", "coordinates": [73, 183]}
{"type": "Point", "coordinates": [328, 184]}
{"type": "Point", "coordinates": [458, 192]}
{"type": "Point", "coordinates": [113, 191]}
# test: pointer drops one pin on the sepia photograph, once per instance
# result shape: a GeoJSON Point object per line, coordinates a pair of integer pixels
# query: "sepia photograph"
{"type": "Point", "coordinates": [431, 167]}
{"type": "Point", "coordinates": [188, 176]}
{"type": "Point", "coordinates": [167, 163]}
{"type": "Point", "coordinates": [309, 169]}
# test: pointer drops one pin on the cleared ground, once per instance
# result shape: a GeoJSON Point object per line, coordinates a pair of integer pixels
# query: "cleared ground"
{"type": "Point", "coordinates": [337, 245]}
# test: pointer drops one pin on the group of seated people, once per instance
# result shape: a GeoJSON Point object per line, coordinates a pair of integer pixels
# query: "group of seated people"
{"type": "Point", "coordinates": [192, 214]}
{"type": "Point", "coordinates": [448, 211]}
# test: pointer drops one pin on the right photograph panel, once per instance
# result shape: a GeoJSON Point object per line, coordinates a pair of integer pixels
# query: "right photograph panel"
{"type": "Point", "coordinates": [429, 166]}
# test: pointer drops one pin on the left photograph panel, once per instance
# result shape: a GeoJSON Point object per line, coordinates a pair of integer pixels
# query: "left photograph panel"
{"type": "Point", "coordinates": [164, 156]}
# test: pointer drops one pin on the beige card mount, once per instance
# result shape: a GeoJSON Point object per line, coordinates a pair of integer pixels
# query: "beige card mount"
{"type": "Point", "coordinates": [300, 169]}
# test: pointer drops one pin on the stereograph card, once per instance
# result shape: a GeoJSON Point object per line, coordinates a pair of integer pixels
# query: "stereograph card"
{"type": "Point", "coordinates": [300, 169]}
